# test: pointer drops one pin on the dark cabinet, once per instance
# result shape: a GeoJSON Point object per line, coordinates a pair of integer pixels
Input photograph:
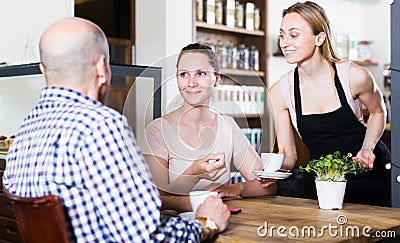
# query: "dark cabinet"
{"type": "Point", "coordinates": [8, 225]}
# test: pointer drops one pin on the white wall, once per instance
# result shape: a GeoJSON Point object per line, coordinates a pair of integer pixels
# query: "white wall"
{"type": "Point", "coordinates": [20, 19]}
{"type": "Point", "coordinates": [366, 20]}
{"type": "Point", "coordinates": [162, 29]}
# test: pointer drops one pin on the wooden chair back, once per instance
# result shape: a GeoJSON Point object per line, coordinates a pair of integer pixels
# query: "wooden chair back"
{"type": "Point", "coordinates": [39, 219]}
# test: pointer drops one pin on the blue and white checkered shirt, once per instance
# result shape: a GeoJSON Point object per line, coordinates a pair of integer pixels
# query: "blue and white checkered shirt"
{"type": "Point", "coordinates": [75, 147]}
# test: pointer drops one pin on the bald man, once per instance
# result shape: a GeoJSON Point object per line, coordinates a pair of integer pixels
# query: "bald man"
{"type": "Point", "coordinates": [73, 146]}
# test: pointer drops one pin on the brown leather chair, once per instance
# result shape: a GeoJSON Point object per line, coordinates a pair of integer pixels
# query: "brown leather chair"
{"type": "Point", "coordinates": [39, 219]}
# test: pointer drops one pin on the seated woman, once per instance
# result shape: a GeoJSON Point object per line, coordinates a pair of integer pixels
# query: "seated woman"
{"type": "Point", "coordinates": [192, 147]}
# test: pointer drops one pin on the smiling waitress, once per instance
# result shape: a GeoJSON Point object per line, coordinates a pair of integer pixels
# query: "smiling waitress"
{"type": "Point", "coordinates": [323, 99]}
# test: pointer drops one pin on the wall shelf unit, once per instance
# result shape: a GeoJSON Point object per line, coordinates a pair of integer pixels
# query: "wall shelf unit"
{"type": "Point", "coordinates": [203, 31]}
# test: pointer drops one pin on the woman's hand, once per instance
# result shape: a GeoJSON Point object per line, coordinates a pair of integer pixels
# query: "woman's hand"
{"type": "Point", "coordinates": [232, 190]}
{"type": "Point", "coordinates": [365, 157]}
{"type": "Point", "coordinates": [204, 169]}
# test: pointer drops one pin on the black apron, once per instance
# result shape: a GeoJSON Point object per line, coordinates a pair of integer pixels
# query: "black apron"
{"type": "Point", "coordinates": [339, 130]}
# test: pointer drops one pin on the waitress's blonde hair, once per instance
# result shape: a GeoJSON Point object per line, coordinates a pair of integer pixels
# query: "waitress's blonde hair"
{"type": "Point", "coordinates": [316, 17]}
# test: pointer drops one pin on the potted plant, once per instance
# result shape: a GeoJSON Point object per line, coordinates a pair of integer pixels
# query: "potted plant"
{"type": "Point", "coordinates": [330, 179]}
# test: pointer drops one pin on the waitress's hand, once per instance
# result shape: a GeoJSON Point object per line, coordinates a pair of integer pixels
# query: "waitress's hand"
{"type": "Point", "coordinates": [365, 157]}
{"type": "Point", "coordinates": [266, 182]}
{"type": "Point", "coordinates": [203, 169]}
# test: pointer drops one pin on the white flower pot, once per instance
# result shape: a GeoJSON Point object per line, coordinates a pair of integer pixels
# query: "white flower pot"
{"type": "Point", "coordinates": [330, 194]}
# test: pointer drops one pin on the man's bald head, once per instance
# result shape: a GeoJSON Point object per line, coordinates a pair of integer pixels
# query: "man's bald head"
{"type": "Point", "coordinates": [70, 48]}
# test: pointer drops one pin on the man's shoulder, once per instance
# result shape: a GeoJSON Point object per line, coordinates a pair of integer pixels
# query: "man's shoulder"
{"type": "Point", "coordinates": [93, 117]}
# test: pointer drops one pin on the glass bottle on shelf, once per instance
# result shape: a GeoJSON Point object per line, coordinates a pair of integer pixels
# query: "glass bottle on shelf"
{"type": "Point", "coordinates": [232, 55]}
{"type": "Point", "coordinates": [254, 58]}
{"type": "Point", "coordinates": [221, 54]}
{"type": "Point", "coordinates": [257, 19]}
{"type": "Point", "coordinates": [199, 10]}
{"type": "Point", "coordinates": [210, 44]}
{"type": "Point", "coordinates": [218, 12]}
{"type": "Point", "coordinates": [243, 56]}
{"type": "Point", "coordinates": [29, 52]}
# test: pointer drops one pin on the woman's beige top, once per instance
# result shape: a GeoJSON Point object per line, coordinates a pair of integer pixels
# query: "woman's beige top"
{"type": "Point", "coordinates": [164, 142]}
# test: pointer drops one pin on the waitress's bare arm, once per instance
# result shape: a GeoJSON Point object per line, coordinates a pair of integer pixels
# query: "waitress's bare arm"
{"type": "Point", "coordinates": [282, 123]}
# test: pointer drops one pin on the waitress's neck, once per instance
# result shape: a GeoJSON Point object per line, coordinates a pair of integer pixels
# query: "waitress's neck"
{"type": "Point", "coordinates": [313, 68]}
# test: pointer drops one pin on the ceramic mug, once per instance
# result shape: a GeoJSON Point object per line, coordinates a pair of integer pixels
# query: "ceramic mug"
{"type": "Point", "coordinates": [198, 197]}
{"type": "Point", "coordinates": [272, 161]}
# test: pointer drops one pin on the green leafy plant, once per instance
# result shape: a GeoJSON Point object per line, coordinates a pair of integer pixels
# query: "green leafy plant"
{"type": "Point", "coordinates": [333, 167]}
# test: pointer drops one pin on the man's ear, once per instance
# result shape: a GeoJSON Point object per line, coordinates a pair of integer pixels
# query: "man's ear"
{"type": "Point", "coordinates": [101, 70]}
{"type": "Point", "coordinates": [320, 38]}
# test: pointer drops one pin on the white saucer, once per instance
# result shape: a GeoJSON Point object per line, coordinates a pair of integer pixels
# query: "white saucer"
{"type": "Point", "coordinates": [188, 215]}
{"type": "Point", "coordinates": [271, 175]}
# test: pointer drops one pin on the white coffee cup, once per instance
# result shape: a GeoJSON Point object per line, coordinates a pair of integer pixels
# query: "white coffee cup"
{"type": "Point", "coordinates": [272, 161]}
{"type": "Point", "coordinates": [198, 197]}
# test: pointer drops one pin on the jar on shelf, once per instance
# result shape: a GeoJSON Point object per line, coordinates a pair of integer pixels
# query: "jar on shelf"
{"type": "Point", "coordinates": [218, 12]}
{"type": "Point", "coordinates": [199, 10]}
{"type": "Point", "coordinates": [222, 56]}
{"type": "Point", "coordinates": [239, 15]}
{"type": "Point", "coordinates": [342, 45]}
{"type": "Point", "coordinates": [210, 11]}
{"type": "Point", "coordinates": [254, 58]}
{"type": "Point", "coordinates": [3, 142]}
{"type": "Point", "coordinates": [230, 13]}
{"type": "Point", "coordinates": [353, 49]}
{"type": "Point", "coordinates": [364, 51]}
{"type": "Point", "coordinates": [249, 16]}
{"type": "Point", "coordinates": [232, 55]}
{"type": "Point", "coordinates": [257, 19]}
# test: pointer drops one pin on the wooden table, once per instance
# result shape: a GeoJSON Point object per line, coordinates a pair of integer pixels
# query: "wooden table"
{"type": "Point", "coordinates": [285, 219]}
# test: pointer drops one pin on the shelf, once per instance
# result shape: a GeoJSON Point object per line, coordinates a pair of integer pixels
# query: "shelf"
{"type": "Point", "coordinates": [240, 72]}
{"type": "Point", "coordinates": [82, 1]}
{"type": "Point", "coordinates": [361, 63]}
{"type": "Point", "coordinates": [247, 116]}
{"type": "Point", "coordinates": [366, 63]}
{"type": "Point", "coordinates": [19, 70]}
{"type": "Point", "coordinates": [221, 27]}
